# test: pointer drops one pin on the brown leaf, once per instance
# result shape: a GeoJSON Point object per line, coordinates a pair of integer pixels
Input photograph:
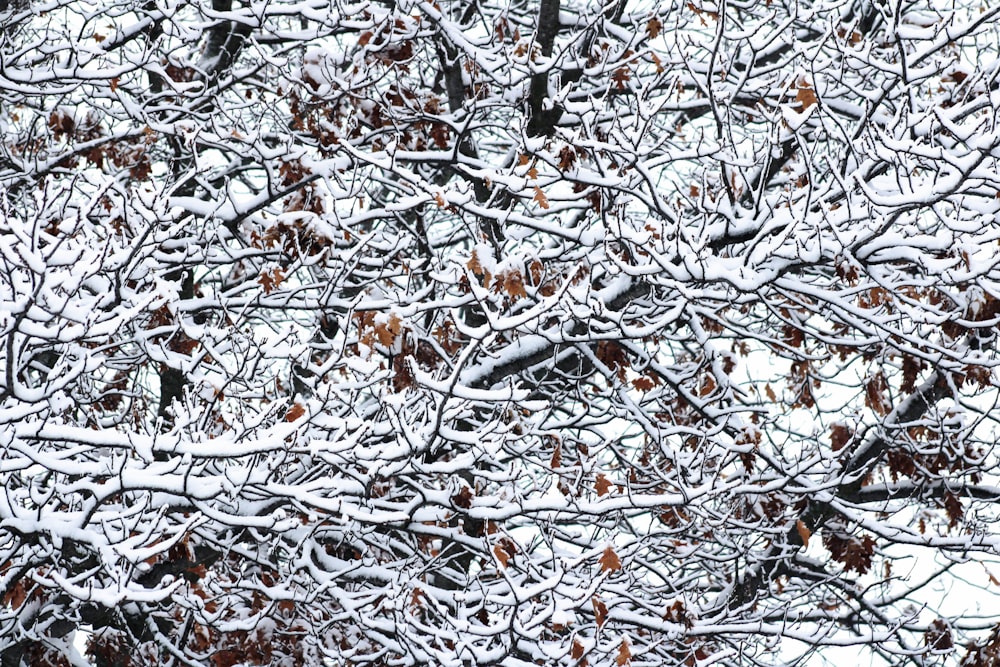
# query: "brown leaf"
{"type": "Point", "coordinates": [513, 284]}
{"type": "Point", "coordinates": [643, 383]}
{"type": "Point", "coordinates": [16, 596]}
{"type": "Point", "coordinates": [804, 532]}
{"type": "Point", "coordinates": [938, 636]}
{"type": "Point", "coordinates": [953, 508]}
{"type": "Point", "coordinates": [840, 435]}
{"type": "Point", "coordinates": [540, 198]}
{"type": "Point", "coordinates": [602, 485]}
{"type": "Point", "coordinates": [600, 611]}
{"type": "Point", "coordinates": [536, 271]}
{"type": "Point", "coordinates": [294, 412]}
{"type": "Point", "coordinates": [624, 654]}
{"type": "Point", "coordinates": [474, 265]}
{"type": "Point", "coordinates": [567, 157]}
{"type": "Point", "coordinates": [502, 555]}
{"type": "Point", "coordinates": [386, 332]}
{"type": "Point", "coordinates": [806, 96]}
{"type": "Point", "coordinates": [463, 498]}
{"type": "Point", "coordinates": [621, 76]}
{"type": "Point", "coordinates": [875, 394]}
{"type": "Point", "coordinates": [653, 27]}
{"type": "Point", "coordinates": [610, 562]}
{"type": "Point", "coordinates": [505, 549]}
{"type": "Point", "coordinates": [227, 658]}
{"type": "Point", "coordinates": [556, 461]}
{"type": "Point", "coordinates": [271, 280]}
{"type": "Point", "coordinates": [576, 651]}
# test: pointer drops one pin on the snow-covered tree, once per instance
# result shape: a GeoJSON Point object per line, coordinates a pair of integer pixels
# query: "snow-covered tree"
{"type": "Point", "coordinates": [497, 332]}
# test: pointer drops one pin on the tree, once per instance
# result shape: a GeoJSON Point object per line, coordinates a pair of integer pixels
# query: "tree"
{"type": "Point", "coordinates": [497, 332]}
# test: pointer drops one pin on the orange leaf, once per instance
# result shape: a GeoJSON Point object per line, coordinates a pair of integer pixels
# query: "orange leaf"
{"type": "Point", "coordinates": [540, 197]}
{"type": "Point", "coordinates": [610, 562]}
{"type": "Point", "coordinates": [294, 412]}
{"type": "Point", "coordinates": [624, 654]}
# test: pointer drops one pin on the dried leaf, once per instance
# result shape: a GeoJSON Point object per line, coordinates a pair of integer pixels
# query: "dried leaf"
{"type": "Point", "coordinates": [610, 562]}
{"type": "Point", "coordinates": [643, 383]}
{"type": "Point", "coordinates": [271, 280]}
{"type": "Point", "coordinates": [502, 555]}
{"type": "Point", "coordinates": [840, 435]}
{"type": "Point", "coordinates": [624, 654]}
{"type": "Point", "coordinates": [938, 637]}
{"type": "Point", "coordinates": [577, 649]}
{"type": "Point", "coordinates": [602, 485]}
{"type": "Point", "coordinates": [474, 265]}
{"type": "Point", "coordinates": [16, 596]}
{"type": "Point", "coordinates": [875, 394]}
{"type": "Point", "coordinates": [556, 461]}
{"type": "Point", "coordinates": [804, 532]}
{"type": "Point", "coordinates": [386, 332]}
{"type": "Point", "coordinates": [504, 550]}
{"type": "Point", "coordinates": [294, 412]}
{"type": "Point", "coordinates": [540, 198]}
{"type": "Point", "coordinates": [600, 611]}
{"type": "Point", "coordinates": [653, 27]}
{"type": "Point", "coordinates": [513, 284]}
{"type": "Point", "coordinates": [463, 498]}
{"type": "Point", "coordinates": [953, 508]}
{"type": "Point", "coordinates": [567, 158]}
{"type": "Point", "coordinates": [806, 96]}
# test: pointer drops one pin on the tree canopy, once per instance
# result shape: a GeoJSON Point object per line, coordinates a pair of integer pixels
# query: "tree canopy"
{"type": "Point", "coordinates": [498, 332]}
